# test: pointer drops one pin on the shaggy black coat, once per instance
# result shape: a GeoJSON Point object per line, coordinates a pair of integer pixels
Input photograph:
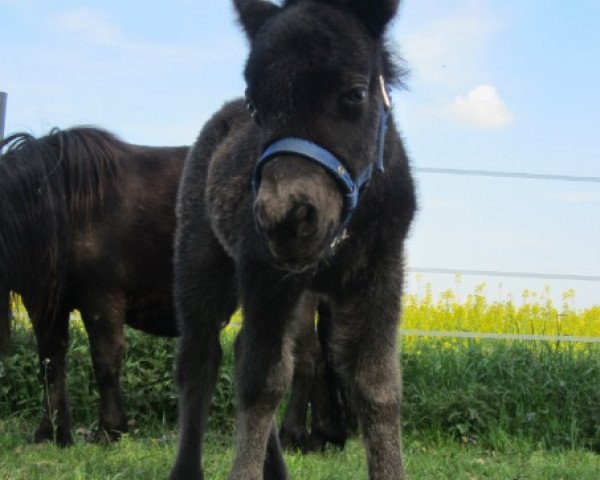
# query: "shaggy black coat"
{"type": "Point", "coordinates": [313, 72]}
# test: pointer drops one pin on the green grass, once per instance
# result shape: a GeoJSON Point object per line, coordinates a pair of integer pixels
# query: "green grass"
{"type": "Point", "coordinates": [471, 409]}
{"type": "Point", "coordinates": [467, 390]}
{"type": "Point", "coordinates": [147, 458]}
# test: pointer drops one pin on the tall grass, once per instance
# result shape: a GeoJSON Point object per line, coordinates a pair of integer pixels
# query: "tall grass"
{"type": "Point", "coordinates": [474, 391]}
{"type": "Point", "coordinates": [479, 391]}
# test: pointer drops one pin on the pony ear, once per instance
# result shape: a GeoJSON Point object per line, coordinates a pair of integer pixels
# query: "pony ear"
{"type": "Point", "coordinates": [253, 13]}
{"type": "Point", "coordinates": [375, 14]}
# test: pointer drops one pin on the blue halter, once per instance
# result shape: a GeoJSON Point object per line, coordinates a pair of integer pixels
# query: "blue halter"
{"type": "Point", "coordinates": [352, 188]}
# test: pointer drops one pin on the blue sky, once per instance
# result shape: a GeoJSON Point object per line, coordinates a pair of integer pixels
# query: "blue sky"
{"type": "Point", "coordinates": [494, 85]}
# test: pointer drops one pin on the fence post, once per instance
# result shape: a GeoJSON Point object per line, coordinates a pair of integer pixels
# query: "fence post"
{"type": "Point", "coordinates": [3, 97]}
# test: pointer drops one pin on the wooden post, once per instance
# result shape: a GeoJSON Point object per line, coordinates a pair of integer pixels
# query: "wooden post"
{"type": "Point", "coordinates": [3, 98]}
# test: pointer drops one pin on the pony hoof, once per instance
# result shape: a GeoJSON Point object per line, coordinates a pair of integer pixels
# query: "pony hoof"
{"type": "Point", "coordinates": [44, 434]}
{"type": "Point", "coordinates": [294, 440]}
{"type": "Point", "coordinates": [64, 442]}
{"type": "Point", "coordinates": [103, 436]}
{"type": "Point", "coordinates": [335, 437]}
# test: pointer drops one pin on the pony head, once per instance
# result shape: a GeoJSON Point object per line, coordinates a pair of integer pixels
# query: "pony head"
{"type": "Point", "coordinates": [316, 77]}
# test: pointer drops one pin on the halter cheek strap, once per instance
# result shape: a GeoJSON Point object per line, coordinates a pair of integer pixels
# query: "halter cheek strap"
{"type": "Point", "coordinates": [352, 188]}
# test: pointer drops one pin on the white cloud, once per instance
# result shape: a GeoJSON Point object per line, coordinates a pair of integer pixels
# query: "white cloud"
{"type": "Point", "coordinates": [482, 107]}
{"type": "Point", "coordinates": [89, 24]}
{"type": "Point", "coordinates": [448, 54]}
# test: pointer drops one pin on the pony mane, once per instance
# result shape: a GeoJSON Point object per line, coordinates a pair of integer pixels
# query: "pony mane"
{"type": "Point", "coordinates": [83, 160]}
{"type": "Point", "coordinates": [49, 186]}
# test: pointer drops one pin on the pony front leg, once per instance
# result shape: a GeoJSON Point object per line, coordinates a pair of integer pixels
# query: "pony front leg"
{"type": "Point", "coordinates": [205, 299]}
{"type": "Point", "coordinates": [198, 359]}
{"type": "Point", "coordinates": [264, 368]}
{"type": "Point", "coordinates": [52, 335]}
{"type": "Point", "coordinates": [365, 348]}
{"type": "Point", "coordinates": [376, 390]}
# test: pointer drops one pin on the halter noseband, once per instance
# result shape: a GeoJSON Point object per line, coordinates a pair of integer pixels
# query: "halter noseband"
{"type": "Point", "coordinates": [352, 188]}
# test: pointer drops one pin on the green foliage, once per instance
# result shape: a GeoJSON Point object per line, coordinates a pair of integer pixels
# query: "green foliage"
{"type": "Point", "coordinates": [470, 390]}
{"type": "Point", "coordinates": [147, 380]}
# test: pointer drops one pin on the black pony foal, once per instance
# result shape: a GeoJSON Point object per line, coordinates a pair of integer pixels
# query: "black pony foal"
{"type": "Point", "coordinates": [309, 196]}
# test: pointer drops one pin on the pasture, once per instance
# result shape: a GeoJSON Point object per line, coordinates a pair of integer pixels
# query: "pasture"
{"type": "Point", "coordinates": [471, 408]}
{"type": "Point", "coordinates": [150, 458]}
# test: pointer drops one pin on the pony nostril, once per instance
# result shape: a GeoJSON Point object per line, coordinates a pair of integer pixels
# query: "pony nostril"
{"type": "Point", "coordinates": [304, 220]}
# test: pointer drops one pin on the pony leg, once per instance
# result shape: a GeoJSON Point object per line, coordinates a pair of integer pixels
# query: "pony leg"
{"type": "Point", "coordinates": [103, 316]}
{"type": "Point", "coordinates": [205, 299]}
{"type": "Point", "coordinates": [331, 416]}
{"type": "Point", "coordinates": [263, 371]}
{"type": "Point", "coordinates": [365, 344]}
{"type": "Point", "coordinates": [264, 368]}
{"type": "Point", "coordinates": [274, 467]}
{"type": "Point", "coordinates": [52, 335]}
{"type": "Point", "coordinates": [294, 433]}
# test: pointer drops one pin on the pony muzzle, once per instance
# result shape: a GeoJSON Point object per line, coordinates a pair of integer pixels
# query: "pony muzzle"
{"type": "Point", "coordinates": [297, 209]}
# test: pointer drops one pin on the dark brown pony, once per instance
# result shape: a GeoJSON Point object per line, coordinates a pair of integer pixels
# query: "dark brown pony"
{"type": "Point", "coordinates": [87, 223]}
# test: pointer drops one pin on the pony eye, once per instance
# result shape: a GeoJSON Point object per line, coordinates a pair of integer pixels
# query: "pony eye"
{"type": "Point", "coordinates": [250, 107]}
{"type": "Point", "coordinates": [253, 112]}
{"type": "Point", "coordinates": [357, 94]}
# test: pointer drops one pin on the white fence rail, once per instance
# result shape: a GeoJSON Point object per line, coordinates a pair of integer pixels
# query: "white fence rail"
{"type": "Point", "coordinates": [498, 336]}
{"type": "Point", "coordinates": [494, 273]}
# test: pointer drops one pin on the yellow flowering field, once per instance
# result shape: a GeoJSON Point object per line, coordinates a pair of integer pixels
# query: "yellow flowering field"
{"type": "Point", "coordinates": [537, 314]}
